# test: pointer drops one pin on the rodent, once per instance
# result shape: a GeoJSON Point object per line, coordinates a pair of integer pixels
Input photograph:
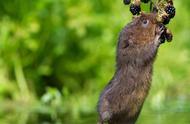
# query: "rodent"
{"type": "Point", "coordinates": [122, 99]}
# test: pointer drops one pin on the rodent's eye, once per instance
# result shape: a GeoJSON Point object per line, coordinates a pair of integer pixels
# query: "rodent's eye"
{"type": "Point", "coordinates": [145, 23]}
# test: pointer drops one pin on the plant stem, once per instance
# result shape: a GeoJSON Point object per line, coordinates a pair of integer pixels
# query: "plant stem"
{"type": "Point", "coordinates": [151, 5]}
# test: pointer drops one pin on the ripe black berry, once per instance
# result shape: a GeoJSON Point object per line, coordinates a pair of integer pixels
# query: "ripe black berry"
{"type": "Point", "coordinates": [126, 2]}
{"type": "Point", "coordinates": [165, 20]}
{"type": "Point", "coordinates": [135, 9]}
{"type": "Point", "coordinates": [170, 10]}
{"type": "Point", "coordinates": [145, 1]}
{"type": "Point", "coordinates": [168, 35]}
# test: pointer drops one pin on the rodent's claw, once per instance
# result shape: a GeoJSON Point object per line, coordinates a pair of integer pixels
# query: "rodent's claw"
{"type": "Point", "coordinates": [160, 29]}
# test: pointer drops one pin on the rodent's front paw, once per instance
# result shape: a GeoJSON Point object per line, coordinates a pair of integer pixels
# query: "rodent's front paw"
{"type": "Point", "coordinates": [160, 29]}
{"type": "Point", "coordinates": [106, 116]}
{"type": "Point", "coordinates": [105, 111]}
{"type": "Point", "coordinates": [160, 37]}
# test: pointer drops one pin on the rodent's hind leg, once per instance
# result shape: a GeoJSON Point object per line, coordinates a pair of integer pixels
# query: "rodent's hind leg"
{"type": "Point", "coordinates": [100, 121]}
{"type": "Point", "coordinates": [104, 111]}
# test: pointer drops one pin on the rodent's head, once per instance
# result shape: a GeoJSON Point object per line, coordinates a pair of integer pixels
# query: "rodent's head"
{"type": "Point", "coordinates": [139, 40]}
{"type": "Point", "coordinates": [143, 28]}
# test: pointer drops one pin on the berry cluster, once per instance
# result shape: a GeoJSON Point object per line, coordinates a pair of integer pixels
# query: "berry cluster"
{"type": "Point", "coordinates": [163, 8]}
{"type": "Point", "coordinates": [135, 7]}
{"type": "Point", "coordinates": [170, 10]}
{"type": "Point", "coordinates": [166, 11]}
{"type": "Point", "coordinates": [168, 14]}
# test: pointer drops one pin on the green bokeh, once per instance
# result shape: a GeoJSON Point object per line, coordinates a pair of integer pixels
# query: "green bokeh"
{"type": "Point", "coordinates": [57, 55]}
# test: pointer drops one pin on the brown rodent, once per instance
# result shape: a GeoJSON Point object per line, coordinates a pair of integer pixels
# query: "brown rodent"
{"type": "Point", "coordinates": [122, 99]}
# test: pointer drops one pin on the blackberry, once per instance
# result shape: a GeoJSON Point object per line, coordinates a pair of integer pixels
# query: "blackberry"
{"type": "Point", "coordinates": [145, 1]}
{"type": "Point", "coordinates": [165, 20]}
{"type": "Point", "coordinates": [135, 9]}
{"type": "Point", "coordinates": [168, 36]}
{"type": "Point", "coordinates": [170, 10]}
{"type": "Point", "coordinates": [126, 2]}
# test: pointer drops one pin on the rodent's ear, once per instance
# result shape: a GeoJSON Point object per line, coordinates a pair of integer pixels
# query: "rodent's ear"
{"type": "Point", "coordinates": [135, 17]}
{"type": "Point", "coordinates": [143, 14]}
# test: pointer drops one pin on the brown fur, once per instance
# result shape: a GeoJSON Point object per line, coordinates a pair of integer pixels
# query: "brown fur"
{"type": "Point", "coordinates": [122, 99]}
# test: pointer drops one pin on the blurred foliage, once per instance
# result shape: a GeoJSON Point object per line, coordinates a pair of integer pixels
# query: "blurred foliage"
{"type": "Point", "coordinates": [57, 55]}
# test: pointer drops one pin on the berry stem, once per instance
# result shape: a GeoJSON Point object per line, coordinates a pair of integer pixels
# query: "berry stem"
{"type": "Point", "coordinates": [137, 2]}
{"type": "Point", "coordinates": [151, 5]}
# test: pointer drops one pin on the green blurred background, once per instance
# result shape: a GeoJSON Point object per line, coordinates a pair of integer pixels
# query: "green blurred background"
{"type": "Point", "coordinates": [57, 55]}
